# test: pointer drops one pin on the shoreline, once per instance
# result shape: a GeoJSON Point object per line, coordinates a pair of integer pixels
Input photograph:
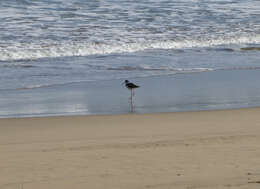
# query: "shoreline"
{"type": "Point", "coordinates": [124, 114]}
{"type": "Point", "coordinates": [223, 89]}
{"type": "Point", "coordinates": [213, 149]}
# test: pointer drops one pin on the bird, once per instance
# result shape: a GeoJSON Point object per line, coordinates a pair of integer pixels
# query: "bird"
{"type": "Point", "coordinates": [130, 86]}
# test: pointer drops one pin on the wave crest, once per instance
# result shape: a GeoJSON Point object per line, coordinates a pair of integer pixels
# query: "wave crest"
{"type": "Point", "coordinates": [36, 51]}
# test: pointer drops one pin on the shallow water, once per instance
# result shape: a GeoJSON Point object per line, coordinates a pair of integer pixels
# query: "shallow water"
{"type": "Point", "coordinates": [52, 43]}
{"type": "Point", "coordinates": [223, 89]}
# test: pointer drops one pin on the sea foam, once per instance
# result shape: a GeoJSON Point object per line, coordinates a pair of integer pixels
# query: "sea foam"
{"type": "Point", "coordinates": [37, 51]}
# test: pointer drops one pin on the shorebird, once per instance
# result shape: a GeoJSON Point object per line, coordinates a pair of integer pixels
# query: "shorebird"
{"type": "Point", "coordinates": [131, 86]}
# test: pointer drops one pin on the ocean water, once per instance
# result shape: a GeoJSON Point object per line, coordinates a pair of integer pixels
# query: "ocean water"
{"type": "Point", "coordinates": [57, 42]}
{"type": "Point", "coordinates": [52, 42]}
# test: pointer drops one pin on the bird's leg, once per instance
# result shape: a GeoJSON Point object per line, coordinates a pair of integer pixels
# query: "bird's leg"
{"type": "Point", "coordinates": [132, 104]}
{"type": "Point", "coordinates": [130, 96]}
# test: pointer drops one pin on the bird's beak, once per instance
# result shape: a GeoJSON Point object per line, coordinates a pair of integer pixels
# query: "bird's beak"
{"type": "Point", "coordinates": [123, 83]}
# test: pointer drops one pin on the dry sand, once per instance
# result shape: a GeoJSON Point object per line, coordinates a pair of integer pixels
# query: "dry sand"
{"type": "Point", "coordinates": [209, 149]}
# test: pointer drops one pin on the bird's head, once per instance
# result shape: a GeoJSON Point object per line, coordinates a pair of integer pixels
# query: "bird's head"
{"type": "Point", "coordinates": [125, 82]}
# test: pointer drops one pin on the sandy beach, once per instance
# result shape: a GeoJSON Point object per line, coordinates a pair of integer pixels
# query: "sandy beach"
{"type": "Point", "coordinates": [188, 150]}
{"type": "Point", "coordinates": [69, 121]}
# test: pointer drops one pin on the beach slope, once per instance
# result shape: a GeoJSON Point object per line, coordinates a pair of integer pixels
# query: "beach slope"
{"type": "Point", "coordinates": [188, 150]}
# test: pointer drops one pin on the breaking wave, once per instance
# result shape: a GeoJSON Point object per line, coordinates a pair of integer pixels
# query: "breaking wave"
{"type": "Point", "coordinates": [37, 51]}
{"type": "Point", "coordinates": [172, 70]}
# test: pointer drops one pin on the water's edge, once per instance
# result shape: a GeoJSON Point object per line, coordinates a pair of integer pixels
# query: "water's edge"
{"type": "Point", "coordinates": [223, 89]}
